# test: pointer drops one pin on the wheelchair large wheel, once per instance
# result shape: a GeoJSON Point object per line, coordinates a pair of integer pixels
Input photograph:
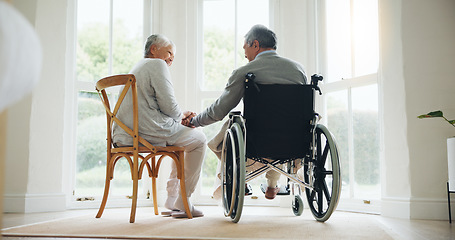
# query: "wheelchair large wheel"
{"type": "Point", "coordinates": [233, 172]}
{"type": "Point", "coordinates": [324, 173]}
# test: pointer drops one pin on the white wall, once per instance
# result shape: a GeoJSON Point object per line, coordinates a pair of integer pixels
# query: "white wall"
{"type": "Point", "coordinates": [34, 154]}
{"type": "Point", "coordinates": [395, 177]}
{"type": "Point", "coordinates": [17, 139]}
{"type": "Point", "coordinates": [417, 68]}
{"type": "Point", "coordinates": [429, 62]}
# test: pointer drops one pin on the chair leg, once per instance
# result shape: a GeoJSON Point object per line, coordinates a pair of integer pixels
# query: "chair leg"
{"type": "Point", "coordinates": [106, 193]}
{"type": "Point", "coordinates": [155, 201]}
{"type": "Point", "coordinates": [181, 169]}
{"type": "Point", "coordinates": [135, 171]}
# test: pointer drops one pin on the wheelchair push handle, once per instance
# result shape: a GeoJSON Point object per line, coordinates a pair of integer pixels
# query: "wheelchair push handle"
{"type": "Point", "coordinates": [315, 78]}
{"type": "Point", "coordinates": [250, 81]}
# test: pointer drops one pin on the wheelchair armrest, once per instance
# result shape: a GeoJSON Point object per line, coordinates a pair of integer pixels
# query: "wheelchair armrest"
{"type": "Point", "coordinates": [234, 113]}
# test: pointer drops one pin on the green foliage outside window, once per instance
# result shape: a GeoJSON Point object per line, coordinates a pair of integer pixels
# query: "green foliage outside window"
{"type": "Point", "coordinates": [366, 142]}
{"type": "Point", "coordinates": [91, 149]}
{"type": "Point", "coordinates": [218, 58]}
{"type": "Point", "coordinates": [93, 64]}
{"type": "Point", "coordinates": [93, 51]}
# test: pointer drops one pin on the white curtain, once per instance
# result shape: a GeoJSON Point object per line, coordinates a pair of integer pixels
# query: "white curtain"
{"type": "Point", "coordinates": [20, 56]}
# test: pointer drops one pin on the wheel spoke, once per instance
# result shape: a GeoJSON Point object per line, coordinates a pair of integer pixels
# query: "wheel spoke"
{"type": "Point", "coordinates": [326, 192]}
{"type": "Point", "coordinates": [320, 200]}
{"type": "Point", "coordinates": [313, 193]}
{"type": "Point", "coordinates": [318, 146]}
{"type": "Point", "coordinates": [324, 154]}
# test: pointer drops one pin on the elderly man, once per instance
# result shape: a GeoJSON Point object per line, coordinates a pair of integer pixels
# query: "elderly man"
{"type": "Point", "coordinates": [269, 68]}
{"type": "Point", "coordinates": [160, 120]}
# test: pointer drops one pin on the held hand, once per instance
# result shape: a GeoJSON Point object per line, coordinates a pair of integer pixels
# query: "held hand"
{"type": "Point", "coordinates": [186, 114]}
{"type": "Point", "coordinates": [186, 120]}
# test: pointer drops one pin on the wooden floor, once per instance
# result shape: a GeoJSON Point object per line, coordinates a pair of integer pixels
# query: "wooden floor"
{"type": "Point", "coordinates": [398, 228]}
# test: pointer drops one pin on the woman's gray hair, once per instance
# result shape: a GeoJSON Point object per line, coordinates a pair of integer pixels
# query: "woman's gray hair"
{"type": "Point", "coordinates": [265, 36]}
{"type": "Point", "coordinates": [157, 40]}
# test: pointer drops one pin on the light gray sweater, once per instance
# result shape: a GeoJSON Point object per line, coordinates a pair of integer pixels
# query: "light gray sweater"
{"type": "Point", "coordinates": [268, 67]}
{"type": "Point", "coordinates": [159, 113]}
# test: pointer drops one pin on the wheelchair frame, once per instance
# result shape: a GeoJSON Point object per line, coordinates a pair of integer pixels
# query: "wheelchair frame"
{"type": "Point", "coordinates": [322, 195]}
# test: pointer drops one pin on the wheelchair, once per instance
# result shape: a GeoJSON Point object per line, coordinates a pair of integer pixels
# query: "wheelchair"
{"type": "Point", "coordinates": [279, 129]}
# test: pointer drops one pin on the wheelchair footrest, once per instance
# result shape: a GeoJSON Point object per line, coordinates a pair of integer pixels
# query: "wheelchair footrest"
{"type": "Point", "coordinates": [284, 190]}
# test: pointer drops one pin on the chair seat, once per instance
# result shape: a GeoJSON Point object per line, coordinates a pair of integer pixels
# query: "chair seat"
{"type": "Point", "coordinates": [147, 150]}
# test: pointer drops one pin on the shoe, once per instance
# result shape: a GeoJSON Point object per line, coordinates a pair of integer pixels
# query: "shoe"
{"type": "Point", "coordinates": [182, 214]}
{"type": "Point", "coordinates": [168, 213]}
{"type": "Point", "coordinates": [248, 190]}
{"type": "Point", "coordinates": [283, 189]}
{"type": "Point", "coordinates": [170, 202]}
{"type": "Point", "coordinates": [270, 193]}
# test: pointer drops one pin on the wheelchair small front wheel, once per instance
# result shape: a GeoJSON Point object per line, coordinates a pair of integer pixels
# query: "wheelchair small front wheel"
{"type": "Point", "coordinates": [297, 205]}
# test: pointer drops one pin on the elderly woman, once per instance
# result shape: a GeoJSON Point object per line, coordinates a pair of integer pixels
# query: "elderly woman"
{"type": "Point", "coordinates": [160, 120]}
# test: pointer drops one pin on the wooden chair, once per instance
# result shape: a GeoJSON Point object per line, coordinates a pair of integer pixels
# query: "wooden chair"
{"type": "Point", "coordinates": [141, 152]}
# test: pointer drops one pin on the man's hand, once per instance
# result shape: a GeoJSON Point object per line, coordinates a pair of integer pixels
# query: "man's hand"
{"type": "Point", "coordinates": [186, 120]}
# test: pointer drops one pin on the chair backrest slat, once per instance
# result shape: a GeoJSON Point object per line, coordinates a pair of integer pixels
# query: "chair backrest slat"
{"type": "Point", "coordinates": [112, 81]}
{"type": "Point", "coordinates": [129, 82]}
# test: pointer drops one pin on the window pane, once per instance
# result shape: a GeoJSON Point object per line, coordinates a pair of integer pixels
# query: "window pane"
{"type": "Point", "coordinates": [223, 40]}
{"type": "Point", "coordinates": [337, 123]}
{"type": "Point", "coordinates": [127, 42]}
{"type": "Point", "coordinates": [211, 160]}
{"type": "Point", "coordinates": [91, 152]}
{"type": "Point", "coordinates": [338, 40]}
{"type": "Point", "coordinates": [91, 145]}
{"type": "Point", "coordinates": [366, 37]}
{"type": "Point", "coordinates": [352, 38]}
{"type": "Point", "coordinates": [246, 19]}
{"type": "Point", "coordinates": [219, 37]}
{"type": "Point", "coordinates": [92, 40]}
{"type": "Point", "coordinates": [366, 142]}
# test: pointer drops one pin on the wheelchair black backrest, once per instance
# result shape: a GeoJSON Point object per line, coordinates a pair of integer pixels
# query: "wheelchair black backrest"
{"type": "Point", "coordinates": [278, 120]}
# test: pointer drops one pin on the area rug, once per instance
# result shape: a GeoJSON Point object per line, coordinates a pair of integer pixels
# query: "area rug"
{"type": "Point", "coordinates": [256, 223]}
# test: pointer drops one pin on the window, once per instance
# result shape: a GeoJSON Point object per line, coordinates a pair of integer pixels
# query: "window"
{"type": "Point", "coordinates": [110, 38]}
{"type": "Point", "coordinates": [225, 22]}
{"type": "Point", "coordinates": [351, 94]}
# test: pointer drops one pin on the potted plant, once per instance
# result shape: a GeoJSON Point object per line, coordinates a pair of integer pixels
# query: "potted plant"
{"type": "Point", "coordinates": [450, 148]}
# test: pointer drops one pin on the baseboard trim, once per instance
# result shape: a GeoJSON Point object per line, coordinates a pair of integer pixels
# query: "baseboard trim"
{"type": "Point", "coordinates": [395, 207]}
{"type": "Point", "coordinates": [415, 208]}
{"type": "Point", "coordinates": [429, 209]}
{"type": "Point", "coordinates": [28, 203]}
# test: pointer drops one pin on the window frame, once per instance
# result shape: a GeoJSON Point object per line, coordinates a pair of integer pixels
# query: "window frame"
{"type": "Point", "coordinates": [76, 86]}
{"type": "Point", "coordinates": [347, 84]}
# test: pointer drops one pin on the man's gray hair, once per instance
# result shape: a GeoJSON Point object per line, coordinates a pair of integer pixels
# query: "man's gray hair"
{"type": "Point", "coordinates": [157, 40]}
{"type": "Point", "coordinates": [265, 36]}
